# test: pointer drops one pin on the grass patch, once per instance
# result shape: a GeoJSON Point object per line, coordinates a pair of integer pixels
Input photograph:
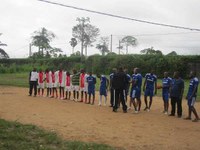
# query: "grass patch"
{"type": "Point", "coordinates": [15, 136]}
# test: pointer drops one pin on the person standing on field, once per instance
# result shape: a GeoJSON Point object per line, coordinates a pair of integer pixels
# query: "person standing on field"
{"type": "Point", "coordinates": [119, 85]}
{"type": "Point", "coordinates": [176, 94]}
{"type": "Point", "coordinates": [91, 87]}
{"type": "Point", "coordinates": [48, 82]}
{"type": "Point", "coordinates": [150, 89]}
{"type": "Point", "coordinates": [75, 84]}
{"type": "Point", "coordinates": [41, 78]}
{"type": "Point", "coordinates": [191, 96]}
{"type": "Point", "coordinates": [166, 85]}
{"type": "Point", "coordinates": [61, 83]}
{"type": "Point", "coordinates": [82, 84]}
{"type": "Point", "coordinates": [54, 79]}
{"type": "Point", "coordinates": [33, 77]}
{"type": "Point", "coordinates": [68, 86]}
{"type": "Point", "coordinates": [111, 87]}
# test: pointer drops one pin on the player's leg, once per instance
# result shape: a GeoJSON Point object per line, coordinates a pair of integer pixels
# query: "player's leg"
{"type": "Point", "coordinates": [146, 93]}
{"type": "Point", "coordinates": [85, 97]}
{"type": "Point", "coordinates": [100, 99]}
{"type": "Point", "coordinates": [111, 97]}
{"type": "Point", "coordinates": [35, 87]}
{"type": "Point", "coordinates": [194, 110]}
{"type": "Point", "coordinates": [173, 105]}
{"type": "Point", "coordinates": [115, 100]}
{"type": "Point", "coordinates": [123, 100]}
{"type": "Point", "coordinates": [82, 92]}
{"type": "Point", "coordinates": [30, 88]}
{"type": "Point", "coordinates": [179, 107]}
{"type": "Point", "coordinates": [151, 100]}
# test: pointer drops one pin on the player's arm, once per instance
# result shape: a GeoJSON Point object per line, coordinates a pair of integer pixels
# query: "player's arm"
{"type": "Point", "coordinates": [107, 83]}
{"type": "Point", "coordinates": [145, 82]}
{"type": "Point", "coordinates": [182, 89]}
{"type": "Point", "coordinates": [155, 86]}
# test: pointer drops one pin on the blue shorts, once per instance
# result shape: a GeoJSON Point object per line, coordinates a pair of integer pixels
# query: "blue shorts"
{"type": "Point", "coordinates": [149, 92]}
{"type": "Point", "coordinates": [91, 91]}
{"type": "Point", "coordinates": [103, 91]}
{"type": "Point", "coordinates": [135, 93]}
{"type": "Point", "coordinates": [165, 96]}
{"type": "Point", "coordinates": [191, 101]}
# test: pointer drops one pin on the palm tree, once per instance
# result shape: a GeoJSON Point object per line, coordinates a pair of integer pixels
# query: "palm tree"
{"type": "Point", "coordinates": [129, 41]}
{"type": "Point", "coordinates": [3, 54]}
{"type": "Point", "coordinates": [42, 39]}
{"type": "Point", "coordinates": [103, 45]}
{"type": "Point", "coordinates": [73, 44]}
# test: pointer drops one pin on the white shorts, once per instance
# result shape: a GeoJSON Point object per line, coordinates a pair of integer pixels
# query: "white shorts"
{"type": "Point", "coordinates": [61, 84]}
{"type": "Point", "coordinates": [40, 85]}
{"type": "Point", "coordinates": [86, 89]}
{"type": "Point", "coordinates": [54, 85]}
{"type": "Point", "coordinates": [49, 85]}
{"type": "Point", "coordinates": [82, 89]}
{"type": "Point", "coordinates": [75, 88]}
{"type": "Point", "coordinates": [68, 88]}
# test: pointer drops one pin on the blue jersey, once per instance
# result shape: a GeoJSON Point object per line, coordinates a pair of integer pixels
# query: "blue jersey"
{"type": "Point", "coordinates": [166, 83]}
{"type": "Point", "coordinates": [91, 81]}
{"type": "Point", "coordinates": [150, 81]}
{"type": "Point", "coordinates": [133, 80]}
{"type": "Point", "coordinates": [194, 82]}
{"type": "Point", "coordinates": [103, 82]}
{"type": "Point", "coordinates": [139, 80]}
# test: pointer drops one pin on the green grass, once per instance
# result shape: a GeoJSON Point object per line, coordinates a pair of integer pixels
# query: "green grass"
{"type": "Point", "coordinates": [21, 80]}
{"type": "Point", "coordinates": [15, 136]}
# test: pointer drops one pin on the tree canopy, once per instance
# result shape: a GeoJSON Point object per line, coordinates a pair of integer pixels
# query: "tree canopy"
{"type": "Point", "coordinates": [85, 33]}
{"type": "Point", "coordinates": [129, 41]}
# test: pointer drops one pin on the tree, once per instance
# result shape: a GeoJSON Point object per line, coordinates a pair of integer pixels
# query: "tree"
{"type": "Point", "coordinates": [103, 45]}
{"type": "Point", "coordinates": [173, 53]}
{"type": "Point", "coordinates": [73, 43]}
{"type": "Point", "coordinates": [42, 39]}
{"type": "Point", "coordinates": [120, 47]}
{"type": "Point", "coordinates": [3, 54]}
{"type": "Point", "coordinates": [151, 51]}
{"type": "Point", "coordinates": [129, 41]}
{"type": "Point", "coordinates": [85, 33]}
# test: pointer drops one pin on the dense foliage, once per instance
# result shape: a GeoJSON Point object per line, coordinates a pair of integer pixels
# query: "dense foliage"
{"type": "Point", "coordinates": [104, 64]}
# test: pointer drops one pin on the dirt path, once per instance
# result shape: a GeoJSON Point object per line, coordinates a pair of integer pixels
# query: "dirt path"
{"type": "Point", "coordinates": [77, 121]}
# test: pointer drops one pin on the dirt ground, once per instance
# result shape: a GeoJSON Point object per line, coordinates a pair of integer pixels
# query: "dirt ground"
{"type": "Point", "coordinates": [92, 123]}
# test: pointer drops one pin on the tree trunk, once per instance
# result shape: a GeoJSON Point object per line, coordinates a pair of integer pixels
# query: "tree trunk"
{"type": "Point", "coordinates": [85, 50]}
{"type": "Point", "coordinates": [82, 48]}
{"type": "Point", "coordinates": [126, 49]}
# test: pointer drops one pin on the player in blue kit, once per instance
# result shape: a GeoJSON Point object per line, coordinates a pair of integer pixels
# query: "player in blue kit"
{"type": "Point", "coordinates": [166, 85]}
{"type": "Point", "coordinates": [136, 89]}
{"type": "Point", "coordinates": [149, 88]}
{"type": "Point", "coordinates": [191, 96]}
{"type": "Point", "coordinates": [104, 82]}
{"type": "Point", "coordinates": [91, 80]}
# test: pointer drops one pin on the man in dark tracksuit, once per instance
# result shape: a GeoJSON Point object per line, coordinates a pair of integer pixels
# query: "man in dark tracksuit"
{"type": "Point", "coordinates": [119, 85]}
{"type": "Point", "coordinates": [111, 87]}
{"type": "Point", "coordinates": [176, 95]}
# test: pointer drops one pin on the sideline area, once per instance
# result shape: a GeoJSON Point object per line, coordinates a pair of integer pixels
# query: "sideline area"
{"type": "Point", "coordinates": [91, 123]}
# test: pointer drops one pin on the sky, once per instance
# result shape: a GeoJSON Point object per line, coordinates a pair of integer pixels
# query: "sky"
{"type": "Point", "coordinates": [20, 18]}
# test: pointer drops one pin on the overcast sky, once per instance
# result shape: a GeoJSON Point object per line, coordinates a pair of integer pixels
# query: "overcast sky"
{"type": "Point", "coordinates": [20, 18]}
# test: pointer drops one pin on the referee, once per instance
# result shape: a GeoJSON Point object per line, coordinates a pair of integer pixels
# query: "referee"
{"type": "Point", "coordinates": [33, 78]}
{"type": "Point", "coordinates": [119, 85]}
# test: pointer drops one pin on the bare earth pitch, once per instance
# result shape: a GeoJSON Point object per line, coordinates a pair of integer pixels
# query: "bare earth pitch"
{"type": "Point", "coordinates": [91, 123]}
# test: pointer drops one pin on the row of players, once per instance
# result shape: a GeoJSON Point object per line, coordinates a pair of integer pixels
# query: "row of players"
{"type": "Point", "coordinates": [119, 88]}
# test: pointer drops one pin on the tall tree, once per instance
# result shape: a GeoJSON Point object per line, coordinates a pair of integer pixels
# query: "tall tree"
{"type": "Point", "coordinates": [73, 44]}
{"type": "Point", "coordinates": [85, 33]}
{"type": "Point", "coordinates": [103, 45]}
{"type": "Point", "coordinates": [42, 39]}
{"type": "Point", "coordinates": [3, 54]}
{"type": "Point", "coordinates": [129, 41]}
{"type": "Point", "coordinates": [151, 51]}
